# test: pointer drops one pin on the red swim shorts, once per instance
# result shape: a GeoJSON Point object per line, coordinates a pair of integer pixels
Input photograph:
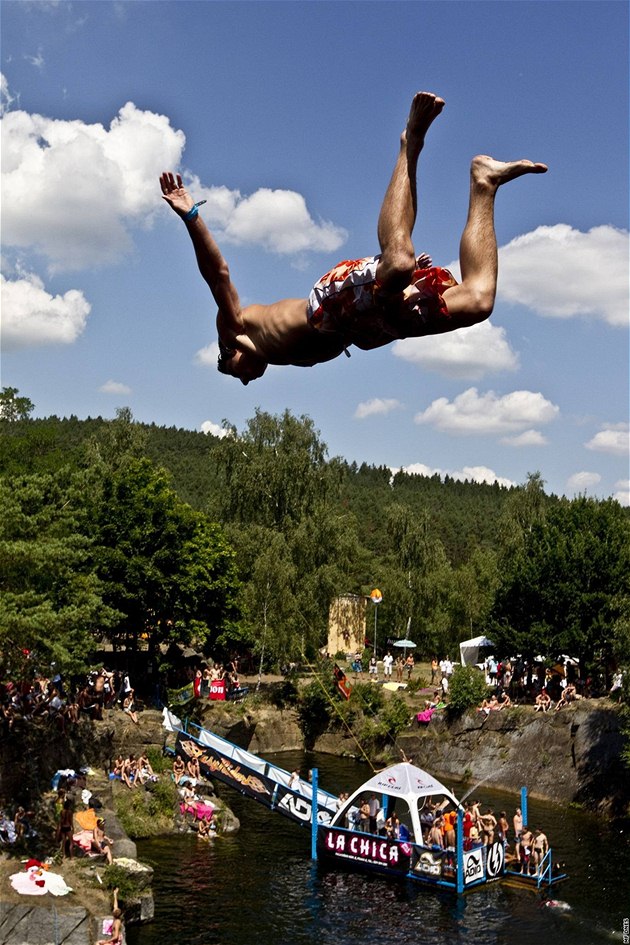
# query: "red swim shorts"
{"type": "Point", "coordinates": [338, 299]}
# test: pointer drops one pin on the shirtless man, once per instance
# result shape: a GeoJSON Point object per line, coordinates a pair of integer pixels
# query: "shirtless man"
{"type": "Point", "coordinates": [517, 823]}
{"type": "Point", "coordinates": [541, 845]}
{"type": "Point", "coordinates": [368, 302]}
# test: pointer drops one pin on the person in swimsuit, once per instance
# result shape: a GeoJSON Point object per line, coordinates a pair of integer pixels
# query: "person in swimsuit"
{"type": "Point", "coordinates": [517, 823]}
{"type": "Point", "coordinates": [116, 936]}
{"type": "Point", "coordinates": [540, 847]}
{"type": "Point", "coordinates": [101, 843]}
{"type": "Point", "coordinates": [64, 833]}
{"type": "Point", "coordinates": [368, 302]}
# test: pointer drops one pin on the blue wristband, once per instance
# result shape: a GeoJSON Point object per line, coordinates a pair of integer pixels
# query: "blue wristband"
{"type": "Point", "coordinates": [194, 212]}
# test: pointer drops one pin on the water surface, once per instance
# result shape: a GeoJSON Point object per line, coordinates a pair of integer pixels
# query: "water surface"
{"type": "Point", "coordinates": [260, 886]}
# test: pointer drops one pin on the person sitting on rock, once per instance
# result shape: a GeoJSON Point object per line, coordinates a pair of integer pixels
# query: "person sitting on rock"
{"type": "Point", "coordinates": [569, 695]}
{"type": "Point", "coordinates": [102, 843]}
{"type": "Point", "coordinates": [543, 701]}
{"type": "Point", "coordinates": [179, 769]}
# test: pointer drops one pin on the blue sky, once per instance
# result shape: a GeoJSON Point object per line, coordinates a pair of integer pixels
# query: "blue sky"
{"type": "Point", "coordinates": [286, 118]}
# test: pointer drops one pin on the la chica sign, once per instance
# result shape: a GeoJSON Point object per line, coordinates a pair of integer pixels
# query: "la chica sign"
{"type": "Point", "coordinates": [375, 851]}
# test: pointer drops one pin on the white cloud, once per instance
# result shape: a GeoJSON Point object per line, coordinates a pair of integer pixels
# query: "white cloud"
{"type": "Point", "coordinates": [114, 387]}
{"type": "Point", "coordinates": [582, 481]}
{"type": "Point", "coordinates": [527, 438]}
{"type": "Point", "coordinates": [466, 474]}
{"type": "Point", "coordinates": [214, 428]}
{"type": "Point", "coordinates": [418, 469]}
{"type": "Point", "coordinates": [488, 414]}
{"type": "Point", "coordinates": [468, 353]}
{"type": "Point", "coordinates": [561, 272]}
{"type": "Point", "coordinates": [208, 356]}
{"type": "Point", "coordinates": [622, 493]}
{"type": "Point", "coordinates": [38, 60]}
{"type": "Point", "coordinates": [277, 220]}
{"type": "Point", "coordinates": [376, 406]}
{"type": "Point", "coordinates": [6, 98]}
{"type": "Point", "coordinates": [613, 439]}
{"type": "Point", "coordinates": [481, 474]}
{"type": "Point", "coordinates": [72, 190]}
{"type": "Point", "coordinates": [32, 317]}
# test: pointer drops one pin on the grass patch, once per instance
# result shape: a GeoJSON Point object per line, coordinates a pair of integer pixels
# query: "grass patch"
{"type": "Point", "coordinates": [149, 812]}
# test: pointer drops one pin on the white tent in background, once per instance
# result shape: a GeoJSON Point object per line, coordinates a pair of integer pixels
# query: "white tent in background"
{"type": "Point", "coordinates": [469, 650]}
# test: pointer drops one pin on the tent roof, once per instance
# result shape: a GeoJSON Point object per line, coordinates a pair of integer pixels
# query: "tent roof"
{"type": "Point", "coordinates": [405, 780]}
{"type": "Point", "coordinates": [476, 641]}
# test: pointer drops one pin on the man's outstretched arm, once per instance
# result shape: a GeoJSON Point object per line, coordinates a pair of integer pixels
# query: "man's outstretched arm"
{"type": "Point", "coordinates": [212, 265]}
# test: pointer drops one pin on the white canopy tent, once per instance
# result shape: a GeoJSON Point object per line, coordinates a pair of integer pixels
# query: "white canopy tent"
{"type": "Point", "coordinates": [406, 782]}
{"type": "Point", "coordinates": [469, 650]}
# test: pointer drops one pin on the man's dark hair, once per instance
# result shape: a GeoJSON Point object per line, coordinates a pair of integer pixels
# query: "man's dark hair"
{"type": "Point", "coordinates": [225, 354]}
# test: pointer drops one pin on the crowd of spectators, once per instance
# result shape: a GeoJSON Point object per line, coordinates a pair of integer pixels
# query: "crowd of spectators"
{"type": "Point", "coordinates": [61, 702]}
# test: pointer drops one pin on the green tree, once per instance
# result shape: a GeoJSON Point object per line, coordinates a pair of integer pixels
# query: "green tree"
{"type": "Point", "coordinates": [51, 605]}
{"type": "Point", "coordinates": [274, 472]}
{"type": "Point", "coordinates": [474, 588]}
{"type": "Point", "coordinates": [166, 569]}
{"type": "Point", "coordinates": [14, 408]}
{"type": "Point", "coordinates": [419, 555]}
{"type": "Point", "coordinates": [467, 688]}
{"type": "Point", "coordinates": [567, 587]}
{"type": "Point", "coordinates": [268, 601]}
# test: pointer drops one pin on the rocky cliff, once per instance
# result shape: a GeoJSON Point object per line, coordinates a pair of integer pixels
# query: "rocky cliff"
{"type": "Point", "coordinates": [571, 756]}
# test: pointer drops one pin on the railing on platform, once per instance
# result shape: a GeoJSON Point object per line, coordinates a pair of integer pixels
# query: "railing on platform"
{"type": "Point", "coordinates": [545, 869]}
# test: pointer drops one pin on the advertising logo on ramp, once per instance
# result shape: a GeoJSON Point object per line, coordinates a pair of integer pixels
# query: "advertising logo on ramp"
{"type": "Point", "coordinates": [495, 860]}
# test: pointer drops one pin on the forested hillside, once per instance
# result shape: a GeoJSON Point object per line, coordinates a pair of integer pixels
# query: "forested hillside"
{"type": "Point", "coordinates": [242, 541]}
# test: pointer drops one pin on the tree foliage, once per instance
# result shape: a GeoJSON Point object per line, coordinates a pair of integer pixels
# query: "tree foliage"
{"type": "Point", "coordinates": [244, 541]}
{"type": "Point", "coordinates": [52, 602]}
{"type": "Point", "coordinates": [566, 584]}
{"type": "Point", "coordinates": [467, 688]}
{"type": "Point", "coordinates": [12, 407]}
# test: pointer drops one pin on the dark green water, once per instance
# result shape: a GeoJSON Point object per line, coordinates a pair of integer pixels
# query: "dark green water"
{"type": "Point", "coordinates": [261, 888]}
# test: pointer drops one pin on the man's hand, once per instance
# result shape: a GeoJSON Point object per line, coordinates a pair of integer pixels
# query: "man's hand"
{"type": "Point", "coordinates": [175, 194]}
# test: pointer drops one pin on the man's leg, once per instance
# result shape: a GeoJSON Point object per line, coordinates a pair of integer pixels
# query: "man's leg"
{"type": "Point", "coordinates": [472, 301]}
{"type": "Point", "coordinates": [398, 212]}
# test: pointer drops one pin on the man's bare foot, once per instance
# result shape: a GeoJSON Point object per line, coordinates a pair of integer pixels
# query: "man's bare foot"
{"type": "Point", "coordinates": [485, 170]}
{"type": "Point", "coordinates": [425, 108]}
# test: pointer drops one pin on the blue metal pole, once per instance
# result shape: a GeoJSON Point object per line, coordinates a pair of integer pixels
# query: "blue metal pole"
{"type": "Point", "coordinates": [459, 843]}
{"type": "Point", "coordinates": [314, 782]}
{"type": "Point", "coordinates": [524, 805]}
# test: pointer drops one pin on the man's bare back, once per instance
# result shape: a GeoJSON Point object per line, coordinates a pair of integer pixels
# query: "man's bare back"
{"type": "Point", "coordinates": [366, 303]}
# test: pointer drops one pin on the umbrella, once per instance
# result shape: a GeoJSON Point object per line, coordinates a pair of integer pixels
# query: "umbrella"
{"type": "Point", "coordinates": [408, 644]}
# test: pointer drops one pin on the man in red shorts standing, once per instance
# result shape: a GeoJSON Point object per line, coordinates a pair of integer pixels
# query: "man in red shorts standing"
{"type": "Point", "coordinates": [368, 302]}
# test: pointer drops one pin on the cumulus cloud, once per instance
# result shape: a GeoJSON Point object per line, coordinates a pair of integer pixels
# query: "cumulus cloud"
{"type": "Point", "coordinates": [622, 492]}
{"type": "Point", "coordinates": [582, 481]}
{"type": "Point", "coordinates": [32, 317]}
{"type": "Point", "coordinates": [277, 220]}
{"type": "Point", "coordinates": [469, 353]}
{"type": "Point", "coordinates": [489, 413]}
{"type": "Point", "coordinates": [527, 438]}
{"type": "Point", "coordinates": [71, 190]}
{"type": "Point", "coordinates": [613, 439]}
{"type": "Point", "coordinates": [208, 356]}
{"type": "Point", "coordinates": [215, 429]}
{"type": "Point", "coordinates": [561, 272]}
{"type": "Point", "coordinates": [59, 176]}
{"type": "Point", "coordinates": [114, 387]}
{"type": "Point", "coordinates": [466, 474]}
{"type": "Point", "coordinates": [376, 406]}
